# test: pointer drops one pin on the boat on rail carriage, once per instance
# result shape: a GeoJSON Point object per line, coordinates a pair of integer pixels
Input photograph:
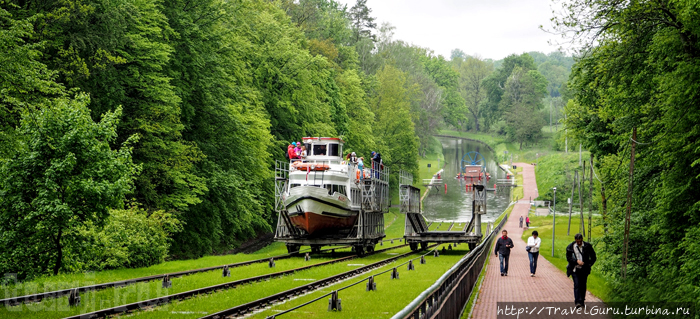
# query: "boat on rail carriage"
{"type": "Point", "coordinates": [323, 193]}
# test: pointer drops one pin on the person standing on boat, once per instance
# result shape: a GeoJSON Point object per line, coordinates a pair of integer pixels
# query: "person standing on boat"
{"type": "Point", "coordinates": [361, 166]}
{"type": "Point", "coordinates": [297, 149]}
{"type": "Point", "coordinates": [290, 151]}
{"type": "Point", "coordinates": [302, 153]}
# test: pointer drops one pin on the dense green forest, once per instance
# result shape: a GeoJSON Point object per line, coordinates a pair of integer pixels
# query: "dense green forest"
{"type": "Point", "coordinates": [637, 87]}
{"type": "Point", "coordinates": [135, 131]}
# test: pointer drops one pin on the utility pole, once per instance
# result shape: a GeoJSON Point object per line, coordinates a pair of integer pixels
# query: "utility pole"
{"type": "Point", "coordinates": [629, 205]}
{"type": "Point", "coordinates": [571, 202]}
{"type": "Point", "coordinates": [590, 201]}
{"type": "Point", "coordinates": [582, 226]}
{"type": "Point", "coordinates": [554, 218]}
{"type": "Point", "coordinates": [605, 206]}
{"type": "Point", "coordinates": [566, 138]}
{"type": "Point", "coordinates": [579, 159]}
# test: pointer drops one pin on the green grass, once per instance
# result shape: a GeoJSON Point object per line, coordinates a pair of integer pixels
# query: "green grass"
{"type": "Point", "coordinates": [203, 304]}
{"type": "Point", "coordinates": [50, 283]}
{"type": "Point", "coordinates": [57, 308]}
{"type": "Point", "coordinates": [557, 171]}
{"type": "Point", "coordinates": [433, 158]}
{"type": "Point", "coordinates": [543, 224]}
{"type": "Point", "coordinates": [390, 297]}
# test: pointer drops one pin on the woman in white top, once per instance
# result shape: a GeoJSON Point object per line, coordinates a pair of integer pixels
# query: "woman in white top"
{"type": "Point", "coordinates": [533, 243]}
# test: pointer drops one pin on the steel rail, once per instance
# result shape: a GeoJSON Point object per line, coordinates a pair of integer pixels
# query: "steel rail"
{"type": "Point", "coordinates": [103, 313]}
{"type": "Point", "coordinates": [249, 307]}
{"type": "Point", "coordinates": [13, 301]}
{"type": "Point", "coordinates": [348, 286]}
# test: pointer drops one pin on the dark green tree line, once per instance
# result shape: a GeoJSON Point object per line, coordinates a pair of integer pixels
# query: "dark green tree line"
{"type": "Point", "coordinates": [640, 70]}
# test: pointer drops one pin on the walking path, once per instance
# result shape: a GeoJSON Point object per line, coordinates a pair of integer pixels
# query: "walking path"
{"type": "Point", "coordinates": [549, 285]}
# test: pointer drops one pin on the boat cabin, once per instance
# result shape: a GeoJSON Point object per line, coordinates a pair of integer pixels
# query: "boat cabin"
{"type": "Point", "coordinates": [324, 148]}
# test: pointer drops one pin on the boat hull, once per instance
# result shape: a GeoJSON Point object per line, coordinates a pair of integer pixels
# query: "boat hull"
{"type": "Point", "coordinates": [313, 210]}
{"type": "Point", "coordinates": [314, 223]}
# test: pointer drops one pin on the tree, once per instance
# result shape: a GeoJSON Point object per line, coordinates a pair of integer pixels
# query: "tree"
{"type": "Point", "coordinates": [64, 175]}
{"type": "Point", "coordinates": [472, 72]}
{"type": "Point", "coordinates": [495, 85]}
{"type": "Point", "coordinates": [362, 23]}
{"type": "Point", "coordinates": [25, 83]}
{"type": "Point", "coordinates": [458, 54]}
{"type": "Point", "coordinates": [522, 98]}
{"type": "Point", "coordinates": [391, 106]}
{"type": "Point", "coordinates": [359, 137]}
{"type": "Point", "coordinates": [447, 78]}
{"type": "Point", "coordinates": [640, 69]}
{"type": "Point", "coordinates": [117, 52]}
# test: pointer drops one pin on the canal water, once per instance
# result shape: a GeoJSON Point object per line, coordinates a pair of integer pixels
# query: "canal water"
{"type": "Point", "coordinates": [456, 204]}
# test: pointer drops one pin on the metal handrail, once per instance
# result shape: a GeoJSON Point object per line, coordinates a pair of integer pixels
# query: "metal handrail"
{"type": "Point", "coordinates": [419, 302]}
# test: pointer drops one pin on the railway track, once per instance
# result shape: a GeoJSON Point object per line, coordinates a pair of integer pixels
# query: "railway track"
{"type": "Point", "coordinates": [33, 298]}
{"type": "Point", "coordinates": [145, 304]}
{"type": "Point", "coordinates": [261, 303]}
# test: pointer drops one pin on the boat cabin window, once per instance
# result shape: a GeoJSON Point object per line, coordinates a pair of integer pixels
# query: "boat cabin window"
{"type": "Point", "coordinates": [294, 185]}
{"type": "Point", "coordinates": [335, 188]}
{"type": "Point", "coordinates": [319, 149]}
{"type": "Point", "coordinates": [333, 150]}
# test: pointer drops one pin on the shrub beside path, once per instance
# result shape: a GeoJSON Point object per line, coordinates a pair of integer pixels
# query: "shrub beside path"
{"type": "Point", "coordinates": [549, 285]}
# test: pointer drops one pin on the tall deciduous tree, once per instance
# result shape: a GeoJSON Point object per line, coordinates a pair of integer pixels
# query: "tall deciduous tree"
{"type": "Point", "coordinates": [522, 99]}
{"type": "Point", "coordinates": [362, 22]}
{"type": "Point", "coordinates": [641, 70]}
{"type": "Point", "coordinates": [391, 105]}
{"type": "Point", "coordinates": [472, 72]}
{"type": "Point", "coordinates": [495, 85]}
{"type": "Point", "coordinates": [64, 174]}
{"type": "Point", "coordinates": [117, 52]}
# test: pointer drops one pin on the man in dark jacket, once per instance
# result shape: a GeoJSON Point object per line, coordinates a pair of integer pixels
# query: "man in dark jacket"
{"type": "Point", "coordinates": [581, 257]}
{"type": "Point", "coordinates": [503, 246]}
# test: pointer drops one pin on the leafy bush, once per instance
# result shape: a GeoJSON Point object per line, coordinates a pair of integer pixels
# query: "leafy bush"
{"type": "Point", "coordinates": [130, 238]}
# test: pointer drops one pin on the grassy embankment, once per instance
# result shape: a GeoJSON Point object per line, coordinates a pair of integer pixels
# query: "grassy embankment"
{"type": "Point", "coordinates": [390, 297]}
{"type": "Point", "coordinates": [58, 308]}
{"type": "Point", "coordinates": [529, 153]}
{"type": "Point", "coordinates": [433, 157]}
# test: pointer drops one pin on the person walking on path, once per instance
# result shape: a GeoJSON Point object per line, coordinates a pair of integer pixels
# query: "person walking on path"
{"type": "Point", "coordinates": [581, 257]}
{"type": "Point", "coordinates": [521, 221]}
{"type": "Point", "coordinates": [503, 246]}
{"type": "Point", "coordinates": [533, 251]}
{"type": "Point", "coordinates": [527, 221]}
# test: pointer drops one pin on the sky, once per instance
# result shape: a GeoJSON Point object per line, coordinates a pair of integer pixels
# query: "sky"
{"type": "Point", "coordinates": [489, 28]}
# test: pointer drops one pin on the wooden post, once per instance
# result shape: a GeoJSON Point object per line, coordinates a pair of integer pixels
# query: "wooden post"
{"type": "Point", "coordinates": [582, 226]}
{"type": "Point", "coordinates": [605, 206]}
{"type": "Point", "coordinates": [590, 201]}
{"type": "Point", "coordinates": [629, 206]}
{"type": "Point", "coordinates": [571, 202]}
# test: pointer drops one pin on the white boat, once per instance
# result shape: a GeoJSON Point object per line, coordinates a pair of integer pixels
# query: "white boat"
{"type": "Point", "coordinates": [323, 193]}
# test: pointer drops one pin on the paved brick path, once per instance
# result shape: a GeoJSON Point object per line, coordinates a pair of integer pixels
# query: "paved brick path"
{"type": "Point", "coordinates": [549, 285]}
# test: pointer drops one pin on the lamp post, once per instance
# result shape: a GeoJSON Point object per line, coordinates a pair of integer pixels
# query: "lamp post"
{"type": "Point", "coordinates": [554, 217]}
